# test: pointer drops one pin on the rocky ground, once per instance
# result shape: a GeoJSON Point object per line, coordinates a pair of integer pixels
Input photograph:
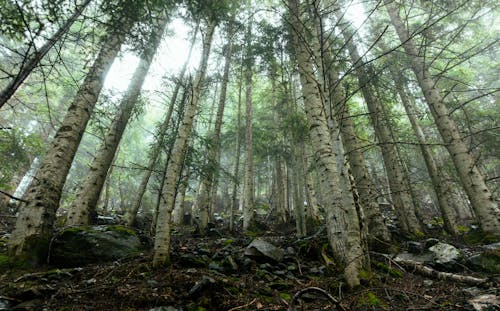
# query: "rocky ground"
{"type": "Point", "coordinates": [264, 271]}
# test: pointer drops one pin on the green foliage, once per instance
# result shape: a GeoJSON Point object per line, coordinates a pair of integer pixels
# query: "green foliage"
{"type": "Point", "coordinates": [17, 149]}
{"type": "Point", "coordinates": [369, 299]}
{"type": "Point", "coordinates": [391, 271]}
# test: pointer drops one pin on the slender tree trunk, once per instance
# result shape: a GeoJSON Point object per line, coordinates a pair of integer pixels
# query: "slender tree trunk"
{"type": "Point", "coordinates": [338, 112]}
{"type": "Point", "coordinates": [30, 64]}
{"type": "Point", "coordinates": [236, 172]}
{"type": "Point", "coordinates": [209, 183]}
{"type": "Point", "coordinates": [442, 187]}
{"type": "Point", "coordinates": [248, 208]}
{"type": "Point", "coordinates": [35, 220]}
{"type": "Point", "coordinates": [312, 201]}
{"type": "Point", "coordinates": [162, 240]}
{"type": "Point", "coordinates": [473, 181]}
{"type": "Point", "coordinates": [342, 222]}
{"type": "Point", "coordinates": [83, 209]}
{"type": "Point", "coordinates": [399, 186]}
{"type": "Point", "coordinates": [157, 146]}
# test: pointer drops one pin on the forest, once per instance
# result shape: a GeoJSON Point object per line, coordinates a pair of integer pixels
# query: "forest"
{"type": "Point", "coordinates": [249, 155]}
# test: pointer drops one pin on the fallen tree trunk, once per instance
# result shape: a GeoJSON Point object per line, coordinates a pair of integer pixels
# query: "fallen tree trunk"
{"type": "Point", "coordinates": [428, 271]}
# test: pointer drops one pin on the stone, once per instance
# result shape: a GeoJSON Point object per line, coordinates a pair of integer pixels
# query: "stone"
{"type": "Point", "coordinates": [445, 254]}
{"type": "Point", "coordinates": [430, 242]}
{"type": "Point", "coordinates": [415, 247]}
{"type": "Point", "coordinates": [264, 251]}
{"type": "Point", "coordinates": [80, 246]}
{"type": "Point", "coordinates": [488, 261]}
{"type": "Point", "coordinates": [485, 302]}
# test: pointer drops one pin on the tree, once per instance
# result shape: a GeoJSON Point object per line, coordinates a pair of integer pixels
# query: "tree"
{"type": "Point", "coordinates": [162, 240]}
{"type": "Point", "coordinates": [342, 222]}
{"type": "Point", "coordinates": [34, 224]}
{"type": "Point", "coordinates": [473, 181]}
{"type": "Point", "coordinates": [399, 185]}
{"type": "Point", "coordinates": [83, 209]}
{"type": "Point", "coordinates": [32, 62]}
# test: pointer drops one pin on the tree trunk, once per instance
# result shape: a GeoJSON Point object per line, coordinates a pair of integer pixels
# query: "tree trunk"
{"type": "Point", "coordinates": [157, 146]}
{"type": "Point", "coordinates": [480, 196]}
{"type": "Point", "coordinates": [442, 188]}
{"type": "Point", "coordinates": [83, 209]}
{"type": "Point", "coordinates": [162, 239]}
{"type": "Point", "coordinates": [30, 64]}
{"type": "Point", "coordinates": [342, 222]}
{"type": "Point", "coordinates": [399, 186]}
{"type": "Point", "coordinates": [248, 207]}
{"type": "Point", "coordinates": [35, 220]}
{"type": "Point", "coordinates": [338, 111]}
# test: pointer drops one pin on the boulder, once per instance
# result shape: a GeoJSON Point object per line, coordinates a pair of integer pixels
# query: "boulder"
{"type": "Point", "coordinates": [264, 251]}
{"type": "Point", "coordinates": [488, 261]}
{"type": "Point", "coordinates": [83, 245]}
{"type": "Point", "coordinates": [445, 254]}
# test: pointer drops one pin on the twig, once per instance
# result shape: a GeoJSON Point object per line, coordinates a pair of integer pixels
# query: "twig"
{"type": "Point", "coordinates": [337, 304]}
{"type": "Point", "coordinates": [243, 306]}
{"type": "Point", "coordinates": [13, 197]}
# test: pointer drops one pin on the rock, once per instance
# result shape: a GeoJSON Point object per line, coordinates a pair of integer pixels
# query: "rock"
{"type": "Point", "coordinates": [265, 251]}
{"type": "Point", "coordinates": [204, 283]}
{"type": "Point", "coordinates": [488, 261]}
{"type": "Point", "coordinates": [494, 246]}
{"type": "Point", "coordinates": [215, 266]}
{"type": "Point", "coordinates": [473, 291]}
{"type": "Point", "coordinates": [430, 242]}
{"type": "Point", "coordinates": [485, 302]}
{"type": "Point", "coordinates": [445, 254]}
{"type": "Point", "coordinates": [80, 246]}
{"type": "Point", "coordinates": [5, 304]}
{"type": "Point", "coordinates": [415, 247]}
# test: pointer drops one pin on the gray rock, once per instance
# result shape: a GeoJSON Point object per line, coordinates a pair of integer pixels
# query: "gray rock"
{"type": "Point", "coordinates": [494, 246]}
{"type": "Point", "coordinates": [424, 258]}
{"type": "Point", "coordinates": [262, 250]}
{"type": "Point", "coordinates": [415, 247]}
{"type": "Point", "coordinates": [485, 302]}
{"type": "Point", "coordinates": [80, 246]}
{"type": "Point", "coordinates": [488, 261]}
{"type": "Point", "coordinates": [430, 242]}
{"type": "Point", "coordinates": [445, 253]}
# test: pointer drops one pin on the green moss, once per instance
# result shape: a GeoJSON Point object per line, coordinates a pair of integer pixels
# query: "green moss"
{"type": "Point", "coordinates": [286, 296]}
{"type": "Point", "coordinates": [419, 234]}
{"type": "Point", "coordinates": [194, 307]}
{"type": "Point", "coordinates": [75, 229]}
{"type": "Point", "coordinates": [120, 229]}
{"type": "Point", "coordinates": [478, 237]}
{"type": "Point", "coordinates": [389, 270]}
{"type": "Point", "coordinates": [462, 229]}
{"type": "Point", "coordinates": [4, 261]}
{"type": "Point", "coordinates": [228, 241]}
{"type": "Point", "coordinates": [369, 299]}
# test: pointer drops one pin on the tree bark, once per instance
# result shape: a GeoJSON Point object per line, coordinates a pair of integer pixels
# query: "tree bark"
{"type": "Point", "coordinates": [157, 146]}
{"type": "Point", "coordinates": [35, 221]}
{"type": "Point", "coordinates": [162, 240]}
{"type": "Point", "coordinates": [342, 222]}
{"type": "Point", "coordinates": [481, 198]}
{"type": "Point", "coordinates": [248, 207]}
{"type": "Point", "coordinates": [400, 191]}
{"type": "Point", "coordinates": [83, 209]}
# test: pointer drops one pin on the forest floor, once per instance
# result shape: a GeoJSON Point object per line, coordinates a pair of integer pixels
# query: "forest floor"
{"type": "Point", "coordinates": [212, 273]}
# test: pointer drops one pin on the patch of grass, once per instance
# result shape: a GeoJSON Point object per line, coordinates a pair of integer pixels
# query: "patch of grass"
{"type": "Point", "coordinates": [369, 299]}
{"type": "Point", "coordinates": [286, 296]}
{"type": "Point", "coordinates": [385, 268]}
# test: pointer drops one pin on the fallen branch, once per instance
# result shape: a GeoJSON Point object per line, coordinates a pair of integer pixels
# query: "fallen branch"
{"type": "Point", "coordinates": [337, 304]}
{"type": "Point", "coordinates": [428, 271]}
{"type": "Point", "coordinates": [244, 306]}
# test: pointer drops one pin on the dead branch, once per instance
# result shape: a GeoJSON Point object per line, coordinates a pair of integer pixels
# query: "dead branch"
{"type": "Point", "coordinates": [337, 304]}
{"type": "Point", "coordinates": [428, 271]}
